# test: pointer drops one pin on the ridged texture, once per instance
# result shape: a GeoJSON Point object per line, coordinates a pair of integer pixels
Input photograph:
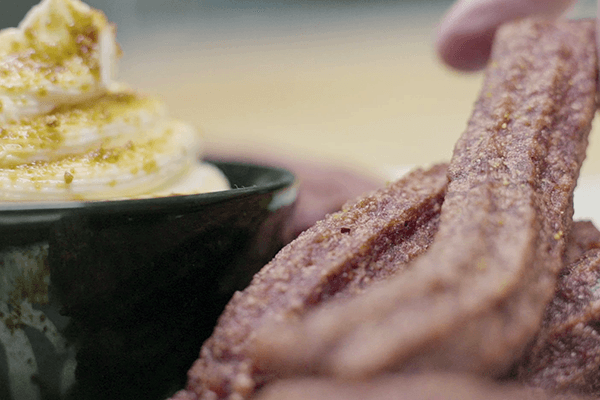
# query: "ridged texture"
{"type": "Point", "coordinates": [341, 256]}
{"type": "Point", "coordinates": [583, 240]}
{"type": "Point", "coordinates": [562, 359]}
{"type": "Point", "coordinates": [475, 300]}
{"type": "Point", "coordinates": [566, 354]}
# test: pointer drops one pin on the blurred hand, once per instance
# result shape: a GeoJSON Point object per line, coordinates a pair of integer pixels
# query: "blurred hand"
{"type": "Point", "coordinates": [465, 35]}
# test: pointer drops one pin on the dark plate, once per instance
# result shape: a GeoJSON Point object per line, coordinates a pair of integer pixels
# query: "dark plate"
{"type": "Point", "coordinates": [132, 288]}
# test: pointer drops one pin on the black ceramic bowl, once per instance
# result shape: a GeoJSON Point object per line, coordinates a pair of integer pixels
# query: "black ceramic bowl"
{"type": "Point", "coordinates": [111, 300]}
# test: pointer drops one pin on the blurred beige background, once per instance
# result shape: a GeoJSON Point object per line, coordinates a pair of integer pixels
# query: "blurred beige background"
{"type": "Point", "coordinates": [352, 82]}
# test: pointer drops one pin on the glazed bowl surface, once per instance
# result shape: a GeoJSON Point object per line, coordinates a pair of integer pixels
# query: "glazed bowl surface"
{"type": "Point", "coordinates": [112, 299]}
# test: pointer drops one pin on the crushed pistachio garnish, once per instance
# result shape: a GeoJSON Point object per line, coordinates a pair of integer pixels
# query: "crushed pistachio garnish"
{"type": "Point", "coordinates": [68, 177]}
{"type": "Point", "coordinates": [61, 112]}
{"type": "Point", "coordinates": [59, 44]}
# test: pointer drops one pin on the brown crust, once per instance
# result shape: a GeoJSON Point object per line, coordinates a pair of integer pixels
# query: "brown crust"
{"type": "Point", "coordinates": [584, 237]}
{"type": "Point", "coordinates": [566, 353]}
{"type": "Point", "coordinates": [476, 298]}
{"type": "Point", "coordinates": [334, 301]}
{"type": "Point", "coordinates": [348, 251]}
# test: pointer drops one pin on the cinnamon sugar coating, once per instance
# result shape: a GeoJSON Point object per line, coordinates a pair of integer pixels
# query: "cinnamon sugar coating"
{"type": "Point", "coordinates": [475, 300]}
{"type": "Point", "coordinates": [584, 239]}
{"type": "Point", "coordinates": [368, 241]}
{"type": "Point", "coordinates": [566, 354]}
{"type": "Point", "coordinates": [357, 296]}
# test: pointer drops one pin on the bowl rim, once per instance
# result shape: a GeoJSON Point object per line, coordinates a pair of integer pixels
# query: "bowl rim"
{"type": "Point", "coordinates": [47, 212]}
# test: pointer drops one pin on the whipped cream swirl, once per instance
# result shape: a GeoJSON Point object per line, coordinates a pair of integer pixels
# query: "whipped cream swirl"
{"type": "Point", "coordinates": [69, 132]}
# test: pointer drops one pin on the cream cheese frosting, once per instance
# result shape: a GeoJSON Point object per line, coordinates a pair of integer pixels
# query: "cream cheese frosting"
{"type": "Point", "coordinates": [68, 131]}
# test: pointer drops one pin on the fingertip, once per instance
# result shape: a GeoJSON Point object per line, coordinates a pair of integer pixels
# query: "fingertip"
{"type": "Point", "coordinates": [465, 52]}
{"type": "Point", "coordinates": [464, 39]}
